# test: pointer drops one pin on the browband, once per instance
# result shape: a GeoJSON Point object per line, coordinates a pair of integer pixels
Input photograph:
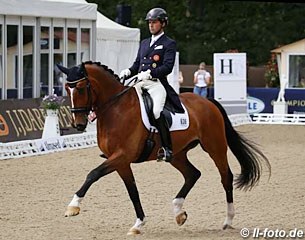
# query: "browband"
{"type": "Point", "coordinates": [76, 81]}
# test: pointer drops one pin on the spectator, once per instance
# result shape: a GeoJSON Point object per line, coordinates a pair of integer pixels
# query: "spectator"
{"type": "Point", "coordinates": [201, 80]}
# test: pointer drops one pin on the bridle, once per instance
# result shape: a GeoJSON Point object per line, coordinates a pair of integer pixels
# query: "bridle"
{"type": "Point", "coordinates": [88, 106]}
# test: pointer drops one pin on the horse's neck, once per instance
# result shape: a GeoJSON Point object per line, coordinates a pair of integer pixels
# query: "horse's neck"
{"type": "Point", "coordinates": [112, 88]}
{"type": "Point", "coordinates": [108, 88]}
{"type": "Point", "coordinates": [125, 104]}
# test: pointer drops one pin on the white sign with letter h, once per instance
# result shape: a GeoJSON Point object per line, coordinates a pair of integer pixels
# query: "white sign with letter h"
{"type": "Point", "coordinates": [230, 81]}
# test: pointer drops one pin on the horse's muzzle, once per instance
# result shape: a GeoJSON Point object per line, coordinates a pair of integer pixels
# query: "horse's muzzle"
{"type": "Point", "coordinates": [80, 127]}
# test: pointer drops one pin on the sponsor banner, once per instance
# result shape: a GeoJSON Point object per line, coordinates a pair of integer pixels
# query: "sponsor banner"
{"type": "Point", "coordinates": [254, 105]}
{"type": "Point", "coordinates": [260, 100]}
{"type": "Point", "coordinates": [23, 119]}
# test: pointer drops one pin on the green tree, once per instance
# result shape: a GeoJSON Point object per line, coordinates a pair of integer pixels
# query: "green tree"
{"type": "Point", "coordinates": [204, 27]}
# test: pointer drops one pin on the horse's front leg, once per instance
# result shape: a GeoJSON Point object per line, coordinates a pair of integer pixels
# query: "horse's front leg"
{"type": "Point", "coordinates": [74, 206]}
{"type": "Point", "coordinates": [126, 174]}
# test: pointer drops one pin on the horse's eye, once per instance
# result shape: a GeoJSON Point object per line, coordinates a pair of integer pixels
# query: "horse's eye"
{"type": "Point", "coordinates": [80, 90]}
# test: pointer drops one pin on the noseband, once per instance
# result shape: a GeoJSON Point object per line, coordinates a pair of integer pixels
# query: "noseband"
{"type": "Point", "coordinates": [88, 107]}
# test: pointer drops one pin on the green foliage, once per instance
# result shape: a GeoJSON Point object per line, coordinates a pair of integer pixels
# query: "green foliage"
{"type": "Point", "coordinates": [272, 74]}
{"type": "Point", "coordinates": [202, 28]}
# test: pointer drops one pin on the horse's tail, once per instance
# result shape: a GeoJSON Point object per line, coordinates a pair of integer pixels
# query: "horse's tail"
{"type": "Point", "coordinates": [247, 153]}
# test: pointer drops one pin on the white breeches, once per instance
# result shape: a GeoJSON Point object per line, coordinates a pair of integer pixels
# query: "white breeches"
{"type": "Point", "coordinates": [157, 93]}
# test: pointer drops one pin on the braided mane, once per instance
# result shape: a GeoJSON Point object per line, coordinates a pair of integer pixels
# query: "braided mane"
{"type": "Point", "coordinates": [105, 68]}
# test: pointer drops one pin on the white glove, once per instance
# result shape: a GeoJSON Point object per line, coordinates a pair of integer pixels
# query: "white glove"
{"type": "Point", "coordinates": [144, 75]}
{"type": "Point", "coordinates": [125, 73]}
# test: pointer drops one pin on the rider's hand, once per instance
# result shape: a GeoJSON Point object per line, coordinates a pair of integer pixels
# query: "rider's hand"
{"type": "Point", "coordinates": [125, 73]}
{"type": "Point", "coordinates": [144, 75]}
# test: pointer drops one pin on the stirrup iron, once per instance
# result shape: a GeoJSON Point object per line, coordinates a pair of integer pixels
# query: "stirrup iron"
{"type": "Point", "coordinates": [162, 155]}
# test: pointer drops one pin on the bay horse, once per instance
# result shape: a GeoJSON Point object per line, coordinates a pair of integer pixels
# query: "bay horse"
{"type": "Point", "coordinates": [94, 87]}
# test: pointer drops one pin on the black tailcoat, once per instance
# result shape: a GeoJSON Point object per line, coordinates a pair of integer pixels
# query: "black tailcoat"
{"type": "Point", "coordinates": [160, 59]}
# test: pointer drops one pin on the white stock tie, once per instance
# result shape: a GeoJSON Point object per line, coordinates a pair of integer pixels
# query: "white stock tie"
{"type": "Point", "coordinates": [152, 42]}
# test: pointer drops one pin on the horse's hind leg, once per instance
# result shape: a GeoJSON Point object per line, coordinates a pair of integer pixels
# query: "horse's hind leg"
{"type": "Point", "coordinates": [220, 158]}
{"type": "Point", "coordinates": [105, 168]}
{"type": "Point", "coordinates": [191, 175]}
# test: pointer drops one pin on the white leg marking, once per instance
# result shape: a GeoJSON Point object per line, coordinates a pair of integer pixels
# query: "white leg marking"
{"type": "Point", "coordinates": [73, 208]}
{"type": "Point", "coordinates": [180, 215]}
{"type": "Point", "coordinates": [75, 201]}
{"type": "Point", "coordinates": [230, 215]}
{"type": "Point", "coordinates": [178, 203]}
{"type": "Point", "coordinates": [136, 229]}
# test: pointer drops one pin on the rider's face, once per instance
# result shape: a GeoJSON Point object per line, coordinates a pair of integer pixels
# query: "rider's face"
{"type": "Point", "coordinates": [155, 26]}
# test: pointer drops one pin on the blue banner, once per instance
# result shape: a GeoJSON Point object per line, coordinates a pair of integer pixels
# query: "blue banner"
{"type": "Point", "coordinates": [260, 100]}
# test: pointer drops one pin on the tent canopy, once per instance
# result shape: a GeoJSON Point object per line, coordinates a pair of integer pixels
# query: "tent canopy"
{"type": "Point", "coordinates": [111, 30]}
{"type": "Point", "coordinates": [116, 45]}
{"type": "Point", "coordinates": [49, 8]}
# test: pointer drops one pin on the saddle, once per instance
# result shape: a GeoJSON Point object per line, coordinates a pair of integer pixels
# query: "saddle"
{"type": "Point", "coordinates": [148, 103]}
{"type": "Point", "coordinates": [175, 119]}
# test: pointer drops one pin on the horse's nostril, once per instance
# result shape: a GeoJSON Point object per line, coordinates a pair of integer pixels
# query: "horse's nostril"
{"type": "Point", "coordinates": [80, 127]}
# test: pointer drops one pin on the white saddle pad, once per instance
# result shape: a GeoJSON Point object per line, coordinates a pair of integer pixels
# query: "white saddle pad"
{"type": "Point", "coordinates": [180, 120]}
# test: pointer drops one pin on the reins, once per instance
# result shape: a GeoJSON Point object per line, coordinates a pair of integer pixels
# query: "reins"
{"type": "Point", "coordinates": [111, 100]}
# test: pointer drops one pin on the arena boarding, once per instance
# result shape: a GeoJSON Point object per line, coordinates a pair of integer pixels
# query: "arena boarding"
{"type": "Point", "coordinates": [88, 139]}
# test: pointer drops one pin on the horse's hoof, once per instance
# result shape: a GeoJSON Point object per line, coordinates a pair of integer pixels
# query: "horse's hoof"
{"type": "Point", "coordinates": [227, 226]}
{"type": "Point", "coordinates": [181, 218]}
{"type": "Point", "coordinates": [72, 211]}
{"type": "Point", "coordinates": [133, 232]}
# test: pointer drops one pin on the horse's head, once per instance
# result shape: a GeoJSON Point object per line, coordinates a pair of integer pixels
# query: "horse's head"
{"type": "Point", "coordinates": [91, 87]}
{"type": "Point", "coordinates": [78, 89]}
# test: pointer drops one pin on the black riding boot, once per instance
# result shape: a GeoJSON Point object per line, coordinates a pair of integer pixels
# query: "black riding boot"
{"type": "Point", "coordinates": [165, 153]}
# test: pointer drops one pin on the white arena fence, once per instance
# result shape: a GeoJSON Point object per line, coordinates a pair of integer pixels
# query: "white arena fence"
{"type": "Point", "coordinates": [44, 146]}
{"type": "Point", "coordinates": [88, 139]}
{"type": "Point", "coordinates": [292, 119]}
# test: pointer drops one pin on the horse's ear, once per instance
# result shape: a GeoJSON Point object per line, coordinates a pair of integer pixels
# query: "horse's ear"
{"type": "Point", "coordinates": [83, 69]}
{"type": "Point", "coordinates": [63, 69]}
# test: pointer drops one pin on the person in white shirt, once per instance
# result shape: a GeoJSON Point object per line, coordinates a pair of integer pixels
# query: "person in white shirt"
{"type": "Point", "coordinates": [201, 80]}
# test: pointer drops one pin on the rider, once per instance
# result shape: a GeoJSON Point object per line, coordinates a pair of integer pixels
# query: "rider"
{"type": "Point", "coordinates": [154, 61]}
